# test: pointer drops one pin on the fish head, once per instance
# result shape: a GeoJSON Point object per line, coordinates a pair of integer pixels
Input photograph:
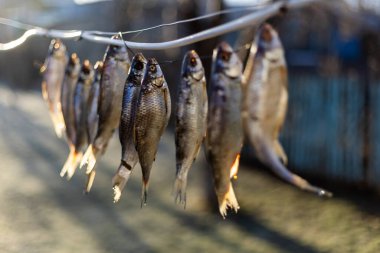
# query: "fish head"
{"type": "Point", "coordinates": [73, 66]}
{"type": "Point", "coordinates": [154, 74]}
{"type": "Point", "coordinates": [98, 67]}
{"type": "Point", "coordinates": [192, 66]}
{"type": "Point", "coordinates": [138, 67]}
{"type": "Point", "coordinates": [268, 39]}
{"type": "Point", "coordinates": [118, 52]}
{"type": "Point", "coordinates": [226, 61]}
{"type": "Point", "coordinates": [86, 71]}
{"type": "Point", "coordinates": [57, 48]}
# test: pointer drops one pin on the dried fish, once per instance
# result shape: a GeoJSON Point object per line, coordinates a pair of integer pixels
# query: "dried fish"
{"type": "Point", "coordinates": [224, 138]}
{"type": "Point", "coordinates": [115, 70]}
{"type": "Point", "coordinates": [93, 102]}
{"type": "Point", "coordinates": [265, 105]}
{"type": "Point", "coordinates": [152, 116]}
{"type": "Point", "coordinates": [81, 94]}
{"type": "Point", "coordinates": [191, 118]}
{"type": "Point", "coordinates": [129, 156]}
{"type": "Point", "coordinates": [53, 74]}
{"type": "Point", "coordinates": [67, 97]}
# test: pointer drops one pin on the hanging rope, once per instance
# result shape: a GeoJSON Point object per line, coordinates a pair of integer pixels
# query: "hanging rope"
{"type": "Point", "coordinates": [251, 19]}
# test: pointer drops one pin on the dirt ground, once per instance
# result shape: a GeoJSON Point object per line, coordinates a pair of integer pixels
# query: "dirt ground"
{"type": "Point", "coordinates": [41, 212]}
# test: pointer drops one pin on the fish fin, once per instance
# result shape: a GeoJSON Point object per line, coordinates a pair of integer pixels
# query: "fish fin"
{"type": "Point", "coordinates": [144, 193]}
{"type": "Point", "coordinates": [228, 201]}
{"type": "Point", "coordinates": [120, 179]}
{"type": "Point", "coordinates": [268, 156]}
{"type": "Point", "coordinates": [179, 190]}
{"type": "Point", "coordinates": [280, 152]}
{"type": "Point", "coordinates": [74, 164]}
{"type": "Point", "coordinates": [90, 181]}
{"type": "Point", "coordinates": [235, 167]}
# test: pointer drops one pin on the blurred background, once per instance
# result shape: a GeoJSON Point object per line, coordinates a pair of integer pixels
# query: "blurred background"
{"type": "Point", "coordinates": [331, 136]}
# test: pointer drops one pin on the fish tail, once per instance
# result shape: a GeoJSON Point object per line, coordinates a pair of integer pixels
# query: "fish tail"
{"type": "Point", "coordinates": [85, 156]}
{"type": "Point", "coordinates": [228, 200]}
{"type": "Point", "coordinates": [269, 157]}
{"type": "Point", "coordinates": [89, 158]}
{"type": "Point", "coordinates": [179, 190]}
{"type": "Point", "coordinates": [90, 181]}
{"type": "Point", "coordinates": [77, 156]}
{"type": "Point", "coordinates": [67, 163]}
{"type": "Point", "coordinates": [144, 193]}
{"type": "Point", "coordinates": [120, 179]}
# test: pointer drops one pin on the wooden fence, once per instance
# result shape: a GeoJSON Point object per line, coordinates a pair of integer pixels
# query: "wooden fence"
{"type": "Point", "coordinates": [332, 128]}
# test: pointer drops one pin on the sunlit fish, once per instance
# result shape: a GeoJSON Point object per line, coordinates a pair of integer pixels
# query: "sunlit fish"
{"type": "Point", "coordinates": [53, 74]}
{"type": "Point", "coordinates": [224, 137]}
{"type": "Point", "coordinates": [265, 105]}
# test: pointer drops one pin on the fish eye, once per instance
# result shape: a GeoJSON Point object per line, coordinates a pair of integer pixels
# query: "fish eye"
{"type": "Point", "coordinates": [139, 66]}
{"type": "Point", "coordinates": [56, 45]}
{"type": "Point", "coordinates": [152, 68]}
{"type": "Point", "coordinates": [193, 62]}
{"type": "Point", "coordinates": [225, 56]}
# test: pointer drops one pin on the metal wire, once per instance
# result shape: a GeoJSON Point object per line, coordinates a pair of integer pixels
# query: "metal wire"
{"type": "Point", "coordinates": [251, 19]}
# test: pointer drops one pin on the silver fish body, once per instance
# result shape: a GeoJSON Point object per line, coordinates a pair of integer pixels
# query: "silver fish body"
{"type": "Point", "coordinates": [116, 65]}
{"type": "Point", "coordinates": [129, 156]}
{"type": "Point", "coordinates": [224, 138]}
{"type": "Point", "coordinates": [81, 94]}
{"type": "Point", "coordinates": [265, 105]}
{"type": "Point", "coordinates": [53, 75]}
{"type": "Point", "coordinates": [93, 101]}
{"type": "Point", "coordinates": [191, 120]}
{"type": "Point", "coordinates": [67, 97]}
{"type": "Point", "coordinates": [152, 116]}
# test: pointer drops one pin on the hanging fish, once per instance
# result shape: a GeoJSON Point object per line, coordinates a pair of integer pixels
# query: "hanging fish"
{"type": "Point", "coordinates": [93, 101]}
{"type": "Point", "coordinates": [152, 117]}
{"type": "Point", "coordinates": [224, 138]}
{"type": "Point", "coordinates": [81, 94]}
{"type": "Point", "coordinates": [115, 70]}
{"type": "Point", "coordinates": [265, 105]}
{"type": "Point", "coordinates": [53, 74]}
{"type": "Point", "coordinates": [191, 120]}
{"type": "Point", "coordinates": [67, 97]}
{"type": "Point", "coordinates": [129, 156]}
